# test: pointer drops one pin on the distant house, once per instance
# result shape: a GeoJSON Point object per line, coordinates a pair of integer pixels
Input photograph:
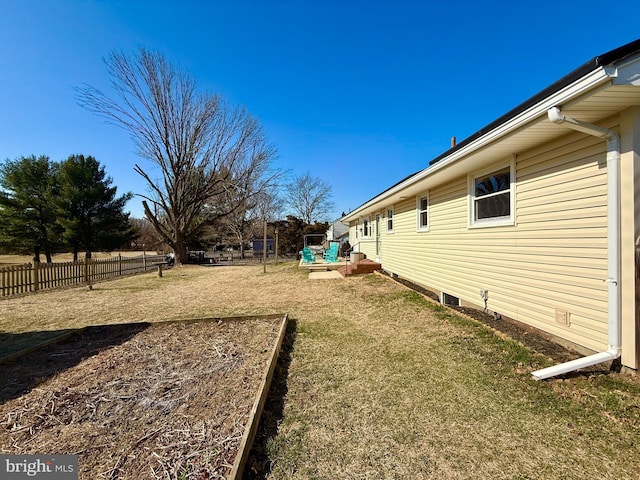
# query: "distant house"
{"type": "Point", "coordinates": [338, 232]}
{"type": "Point", "coordinates": [534, 217]}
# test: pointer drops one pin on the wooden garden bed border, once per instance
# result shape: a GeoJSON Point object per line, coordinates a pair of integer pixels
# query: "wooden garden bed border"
{"type": "Point", "coordinates": [258, 405]}
{"type": "Point", "coordinates": [251, 426]}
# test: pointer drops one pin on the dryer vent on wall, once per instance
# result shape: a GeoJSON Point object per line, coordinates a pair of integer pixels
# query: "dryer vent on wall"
{"type": "Point", "coordinates": [563, 317]}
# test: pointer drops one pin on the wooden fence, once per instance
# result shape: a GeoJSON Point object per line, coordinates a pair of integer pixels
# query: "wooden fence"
{"type": "Point", "coordinates": [32, 277]}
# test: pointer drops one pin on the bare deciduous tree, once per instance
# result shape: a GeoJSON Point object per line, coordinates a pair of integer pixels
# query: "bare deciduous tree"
{"type": "Point", "coordinates": [262, 202]}
{"type": "Point", "coordinates": [310, 198]}
{"type": "Point", "coordinates": [202, 147]}
{"type": "Point", "coordinates": [146, 237]}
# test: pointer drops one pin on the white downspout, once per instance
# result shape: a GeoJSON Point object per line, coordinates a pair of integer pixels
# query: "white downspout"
{"type": "Point", "coordinates": [613, 247]}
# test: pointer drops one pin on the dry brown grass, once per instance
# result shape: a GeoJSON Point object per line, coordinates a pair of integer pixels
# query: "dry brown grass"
{"type": "Point", "coordinates": [382, 384]}
{"type": "Point", "coordinates": [394, 388]}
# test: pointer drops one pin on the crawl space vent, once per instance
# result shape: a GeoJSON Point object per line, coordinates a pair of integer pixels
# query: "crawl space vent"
{"type": "Point", "coordinates": [450, 300]}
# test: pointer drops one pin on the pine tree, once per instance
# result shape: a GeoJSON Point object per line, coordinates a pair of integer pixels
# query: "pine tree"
{"type": "Point", "coordinates": [27, 208]}
{"type": "Point", "coordinates": [89, 211]}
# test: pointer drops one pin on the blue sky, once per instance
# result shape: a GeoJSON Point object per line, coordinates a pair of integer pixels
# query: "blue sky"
{"type": "Point", "coordinates": [360, 93]}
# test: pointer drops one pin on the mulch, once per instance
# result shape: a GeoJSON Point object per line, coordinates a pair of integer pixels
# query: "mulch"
{"type": "Point", "coordinates": [139, 400]}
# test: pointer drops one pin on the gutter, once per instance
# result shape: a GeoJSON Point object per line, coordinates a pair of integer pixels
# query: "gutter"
{"type": "Point", "coordinates": [613, 248]}
{"type": "Point", "coordinates": [494, 132]}
{"type": "Point", "coordinates": [571, 86]}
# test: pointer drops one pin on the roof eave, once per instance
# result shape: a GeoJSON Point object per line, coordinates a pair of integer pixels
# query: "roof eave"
{"type": "Point", "coordinates": [506, 124]}
{"type": "Point", "coordinates": [587, 76]}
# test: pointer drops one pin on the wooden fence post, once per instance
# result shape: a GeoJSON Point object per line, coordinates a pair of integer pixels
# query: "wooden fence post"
{"type": "Point", "coordinates": [35, 276]}
{"type": "Point", "coordinates": [87, 273]}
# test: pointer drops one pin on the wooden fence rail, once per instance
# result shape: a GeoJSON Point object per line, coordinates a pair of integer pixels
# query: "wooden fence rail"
{"type": "Point", "coordinates": [32, 277]}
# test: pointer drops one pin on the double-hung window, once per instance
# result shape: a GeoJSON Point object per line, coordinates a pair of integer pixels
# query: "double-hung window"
{"type": "Point", "coordinates": [366, 227]}
{"type": "Point", "coordinates": [389, 220]}
{"type": "Point", "coordinates": [422, 209]}
{"type": "Point", "coordinates": [491, 198]}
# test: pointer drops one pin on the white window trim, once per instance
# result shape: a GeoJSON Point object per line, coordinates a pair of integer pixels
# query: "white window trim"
{"type": "Point", "coordinates": [420, 228]}
{"type": "Point", "coordinates": [442, 294]}
{"type": "Point", "coordinates": [492, 222]}
{"type": "Point", "coordinates": [366, 220]}
{"type": "Point", "coordinates": [392, 218]}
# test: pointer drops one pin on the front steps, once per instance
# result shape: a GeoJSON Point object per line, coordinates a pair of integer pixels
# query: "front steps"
{"type": "Point", "coordinates": [359, 268]}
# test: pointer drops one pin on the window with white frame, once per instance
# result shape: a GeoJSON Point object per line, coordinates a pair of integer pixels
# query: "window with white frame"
{"type": "Point", "coordinates": [491, 197]}
{"type": "Point", "coordinates": [390, 220]}
{"type": "Point", "coordinates": [422, 209]}
{"type": "Point", "coordinates": [366, 227]}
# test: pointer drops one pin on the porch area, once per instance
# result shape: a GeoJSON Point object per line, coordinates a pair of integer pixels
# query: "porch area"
{"type": "Point", "coordinates": [343, 266]}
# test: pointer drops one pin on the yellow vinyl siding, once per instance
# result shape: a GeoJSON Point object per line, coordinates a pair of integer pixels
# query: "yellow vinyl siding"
{"type": "Point", "coordinates": [553, 257]}
{"type": "Point", "coordinates": [366, 245]}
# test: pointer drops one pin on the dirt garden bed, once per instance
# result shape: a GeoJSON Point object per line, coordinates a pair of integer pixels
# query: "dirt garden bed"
{"type": "Point", "coordinates": [169, 400]}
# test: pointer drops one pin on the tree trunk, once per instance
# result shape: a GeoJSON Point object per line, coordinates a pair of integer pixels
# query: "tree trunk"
{"type": "Point", "coordinates": [239, 237]}
{"type": "Point", "coordinates": [181, 250]}
{"type": "Point", "coordinates": [46, 243]}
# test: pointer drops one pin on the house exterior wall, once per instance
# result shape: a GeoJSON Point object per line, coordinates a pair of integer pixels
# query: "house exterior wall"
{"type": "Point", "coordinates": [551, 261]}
{"type": "Point", "coordinates": [630, 226]}
{"type": "Point", "coordinates": [363, 243]}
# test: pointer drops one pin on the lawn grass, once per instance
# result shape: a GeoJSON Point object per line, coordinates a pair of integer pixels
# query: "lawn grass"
{"type": "Point", "coordinates": [382, 382]}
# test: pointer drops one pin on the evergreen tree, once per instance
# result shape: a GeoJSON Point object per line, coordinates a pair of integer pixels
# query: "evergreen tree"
{"type": "Point", "coordinates": [89, 211]}
{"type": "Point", "coordinates": [27, 208]}
{"type": "Point", "coordinates": [291, 232]}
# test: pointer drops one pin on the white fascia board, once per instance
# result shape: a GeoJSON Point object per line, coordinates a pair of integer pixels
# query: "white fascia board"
{"type": "Point", "coordinates": [626, 73]}
{"type": "Point", "coordinates": [586, 83]}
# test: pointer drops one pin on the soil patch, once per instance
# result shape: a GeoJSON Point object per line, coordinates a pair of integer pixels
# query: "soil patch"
{"type": "Point", "coordinates": [138, 401]}
{"type": "Point", "coordinates": [529, 336]}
